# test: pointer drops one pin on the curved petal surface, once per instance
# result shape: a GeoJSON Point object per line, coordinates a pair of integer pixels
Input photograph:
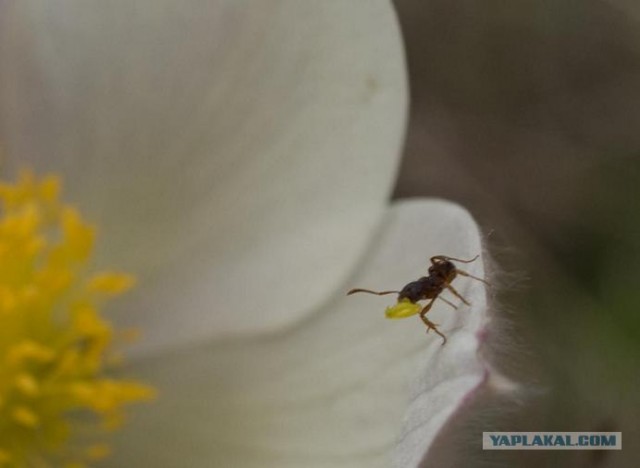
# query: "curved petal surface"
{"type": "Point", "coordinates": [333, 391]}
{"type": "Point", "coordinates": [237, 155]}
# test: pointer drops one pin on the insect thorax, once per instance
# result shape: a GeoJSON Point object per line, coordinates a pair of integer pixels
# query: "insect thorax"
{"type": "Point", "coordinates": [423, 288]}
{"type": "Point", "coordinates": [443, 270]}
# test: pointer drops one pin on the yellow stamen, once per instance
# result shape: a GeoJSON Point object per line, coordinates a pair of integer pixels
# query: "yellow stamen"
{"type": "Point", "coordinates": [25, 417]}
{"type": "Point", "coordinates": [5, 457]}
{"type": "Point", "coordinates": [27, 384]}
{"type": "Point", "coordinates": [29, 350]}
{"type": "Point", "coordinates": [98, 451]}
{"type": "Point", "coordinates": [110, 283]}
{"type": "Point", "coordinates": [55, 346]}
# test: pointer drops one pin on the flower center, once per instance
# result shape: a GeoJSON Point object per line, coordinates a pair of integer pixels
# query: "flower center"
{"type": "Point", "coordinates": [58, 399]}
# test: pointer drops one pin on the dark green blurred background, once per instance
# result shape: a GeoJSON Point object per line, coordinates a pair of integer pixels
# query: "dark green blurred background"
{"type": "Point", "coordinates": [528, 114]}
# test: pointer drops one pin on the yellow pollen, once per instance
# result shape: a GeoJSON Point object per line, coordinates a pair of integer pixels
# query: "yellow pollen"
{"type": "Point", "coordinates": [58, 393]}
{"type": "Point", "coordinates": [403, 309]}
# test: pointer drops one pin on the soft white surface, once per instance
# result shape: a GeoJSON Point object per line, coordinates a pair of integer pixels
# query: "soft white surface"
{"type": "Point", "coordinates": [333, 391]}
{"type": "Point", "coordinates": [237, 155]}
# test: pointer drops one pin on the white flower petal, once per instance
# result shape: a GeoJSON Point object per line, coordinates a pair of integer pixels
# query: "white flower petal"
{"type": "Point", "coordinates": [237, 155]}
{"type": "Point", "coordinates": [331, 392]}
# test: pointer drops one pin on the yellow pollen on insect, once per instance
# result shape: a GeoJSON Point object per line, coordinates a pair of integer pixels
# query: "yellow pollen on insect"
{"type": "Point", "coordinates": [403, 309]}
{"type": "Point", "coordinates": [58, 395]}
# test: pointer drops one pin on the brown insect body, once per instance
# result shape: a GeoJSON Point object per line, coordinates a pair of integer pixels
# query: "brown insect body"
{"type": "Point", "coordinates": [423, 288]}
{"type": "Point", "coordinates": [442, 272]}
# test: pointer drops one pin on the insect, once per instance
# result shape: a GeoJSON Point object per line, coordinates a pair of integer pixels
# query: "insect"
{"type": "Point", "coordinates": [442, 272]}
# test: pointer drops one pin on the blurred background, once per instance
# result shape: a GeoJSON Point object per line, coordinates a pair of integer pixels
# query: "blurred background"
{"type": "Point", "coordinates": [528, 114]}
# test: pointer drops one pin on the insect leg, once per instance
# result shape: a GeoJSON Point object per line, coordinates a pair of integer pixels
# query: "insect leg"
{"type": "Point", "coordinates": [448, 302]}
{"type": "Point", "coordinates": [457, 294]}
{"type": "Point", "coordinates": [380, 293]}
{"type": "Point", "coordinates": [464, 273]}
{"type": "Point", "coordinates": [430, 325]}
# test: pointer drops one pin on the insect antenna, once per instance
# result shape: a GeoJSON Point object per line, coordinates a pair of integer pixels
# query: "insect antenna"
{"type": "Point", "coordinates": [459, 259]}
{"type": "Point", "coordinates": [377, 293]}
